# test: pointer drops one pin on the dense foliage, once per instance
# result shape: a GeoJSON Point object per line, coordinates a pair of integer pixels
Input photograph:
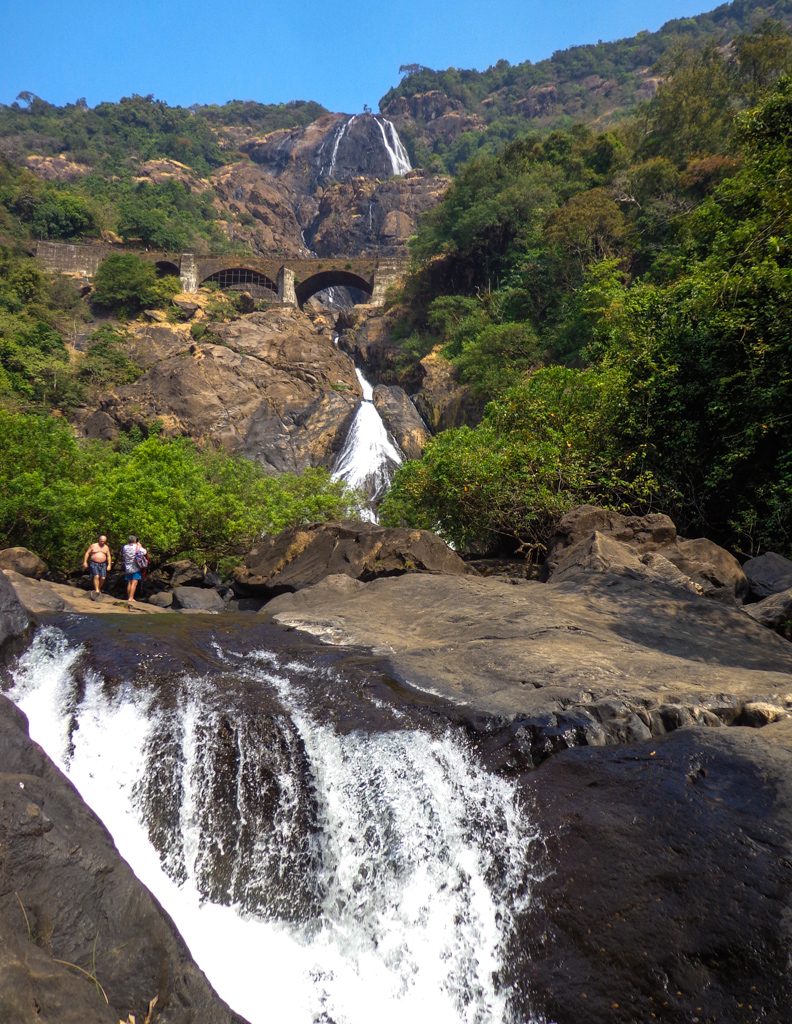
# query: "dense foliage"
{"type": "Point", "coordinates": [655, 258]}
{"type": "Point", "coordinates": [57, 493]}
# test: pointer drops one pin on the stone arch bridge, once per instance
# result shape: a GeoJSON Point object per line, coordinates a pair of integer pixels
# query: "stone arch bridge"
{"type": "Point", "coordinates": [288, 280]}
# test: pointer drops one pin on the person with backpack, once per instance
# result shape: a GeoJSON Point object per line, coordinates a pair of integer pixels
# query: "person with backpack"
{"type": "Point", "coordinates": [135, 558]}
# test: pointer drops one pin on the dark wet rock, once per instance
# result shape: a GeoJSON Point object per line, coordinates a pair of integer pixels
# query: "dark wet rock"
{"type": "Point", "coordinates": [666, 894]}
{"type": "Point", "coordinates": [593, 539]}
{"type": "Point", "coordinates": [775, 612]}
{"type": "Point", "coordinates": [14, 619]}
{"type": "Point", "coordinates": [634, 660]}
{"type": "Point", "coordinates": [401, 419]}
{"type": "Point", "coordinates": [768, 574]}
{"type": "Point", "coordinates": [183, 573]}
{"type": "Point", "coordinates": [197, 599]}
{"type": "Point", "coordinates": [164, 599]}
{"type": "Point", "coordinates": [302, 556]}
{"type": "Point", "coordinates": [66, 895]}
{"type": "Point", "coordinates": [24, 562]}
{"type": "Point", "coordinates": [245, 604]}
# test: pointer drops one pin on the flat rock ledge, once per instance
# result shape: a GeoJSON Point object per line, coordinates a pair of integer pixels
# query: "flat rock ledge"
{"type": "Point", "coordinates": [596, 660]}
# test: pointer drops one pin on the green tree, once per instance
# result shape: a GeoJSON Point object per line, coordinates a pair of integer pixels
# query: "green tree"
{"type": "Point", "coordinates": [124, 283]}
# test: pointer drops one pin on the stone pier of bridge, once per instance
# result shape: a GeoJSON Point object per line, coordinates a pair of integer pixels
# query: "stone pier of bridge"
{"type": "Point", "coordinates": [288, 280]}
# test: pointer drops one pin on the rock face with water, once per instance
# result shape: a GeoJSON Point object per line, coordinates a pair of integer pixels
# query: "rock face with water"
{"type": "Point", "coordinates": [271, 386]}
{"type": "Point", "coordinates": [401, 419]}
{"type": "Point", "coordinates": [303, 556]}
{"type": "Point", "coordinates": [71, 910]}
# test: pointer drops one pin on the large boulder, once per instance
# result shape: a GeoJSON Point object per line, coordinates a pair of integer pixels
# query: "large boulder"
{"type": "Point", "coordinates": [14, 619]}
{"type": "Point", "coordinates": [663, 892]}
{"type": "Point", "coordinates": [23, 561]}
{"type": "Point", "coordinates": [599, 658]}
{"type": "Point", "coordinates": [302, 556]}
{"type": "Point", "coordinates": [768, 574]}
{"type": "Point", "coordinates": [197, 599]}
{"type": "Point", "coordinates": [76, 926]}
{"type": "Point", "coordinates": [595, 539]}
{"type": "Point", "coordinates": [402, 420]}
{"type": "Point", "coordinates": [775, 612]}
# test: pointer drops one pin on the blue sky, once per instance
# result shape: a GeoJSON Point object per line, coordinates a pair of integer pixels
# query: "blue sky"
{"type": "Point", "coordinates": [341, 54]}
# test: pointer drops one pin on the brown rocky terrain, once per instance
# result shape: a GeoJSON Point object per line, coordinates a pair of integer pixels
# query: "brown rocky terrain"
{"type": "Point", "coordinates": [271, 386]}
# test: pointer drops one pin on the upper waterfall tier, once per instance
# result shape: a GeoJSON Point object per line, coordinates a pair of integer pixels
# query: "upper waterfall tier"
{"type": "Point", "coordinates": [336, 148]}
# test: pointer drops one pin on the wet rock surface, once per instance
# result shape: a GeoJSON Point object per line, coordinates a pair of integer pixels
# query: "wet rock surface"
{"type": "Point", "coordinates": [67, 898]}
{"type": "Point", "coordinates": [668, 895]}
{"type": "Point", "coordinates": [401, 419]}
{"type": "Point", "coordinates": [303, 556]}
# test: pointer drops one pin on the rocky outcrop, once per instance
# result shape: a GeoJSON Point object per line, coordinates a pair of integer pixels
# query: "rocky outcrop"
{"type": "Point", "coordinates": [271, 386]}
{"type": "Point", "coordinates": [433, 116]}
{"type": "Point", "coordinates": [42, 597]}
{"type": "Point", "coordinates": [431, 382]}
{"type": "Point", "coordinates": [775, 612]}
{"type": "Point", "coordinates": [401, 419]}
{"type": "Point", "coordinates": [334, 147]}
{"type": "Point", "coordinates": [23, 561]}
{"type": "Point", "coordinates": [600, 659]}
{"type": "Point", "coordinates": [768, 574]}
{"type": "Point", "coordinates": [364, 214]}
{"type": "Point", "coordinates": [665, 894]}
{"type": "Point", "coordinates": [14, 619]}
{"type": "Point", "coordinates": [302, 556]}
{"type": "Point", "coordinates": [593, 539]}
{"type": "Point", "coordinates": [81, 940]}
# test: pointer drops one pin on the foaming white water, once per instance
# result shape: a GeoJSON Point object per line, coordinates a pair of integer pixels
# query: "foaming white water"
{"type": "Point", "coordinates": [420, 855]}
{"type": "Point", "coordinates": [369, 457]}
{"type": "Point", "coordinates": [400, 161]}
{"type": "Point", "coordinates": [338, 135]}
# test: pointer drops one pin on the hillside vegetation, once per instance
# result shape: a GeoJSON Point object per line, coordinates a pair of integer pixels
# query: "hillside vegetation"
{"type": "Point", "coordinates": [623, 301]}
{"type": "Point", "coordinates": [597, 83]}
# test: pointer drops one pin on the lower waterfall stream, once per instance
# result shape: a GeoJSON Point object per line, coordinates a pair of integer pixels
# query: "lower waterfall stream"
{"type": "Point", "coordinates": [328, 852]}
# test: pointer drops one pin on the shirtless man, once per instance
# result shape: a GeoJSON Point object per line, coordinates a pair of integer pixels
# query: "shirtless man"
{"type": "Point", "coordinates": [99, 560]}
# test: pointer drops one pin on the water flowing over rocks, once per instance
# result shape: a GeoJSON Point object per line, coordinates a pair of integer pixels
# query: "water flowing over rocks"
{"type": "Point", "coordinates": [401, 419]}
{"type": "Point", "coordinates": [271, 386]}
{"type": "Point", "coordinates": [303, 556]}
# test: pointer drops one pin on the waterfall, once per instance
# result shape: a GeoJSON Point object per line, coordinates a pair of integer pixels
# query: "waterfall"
{"type": "Point", "coordinates": [369, 457]}
{"type": "Point", "coordinates": [323, 862]}
{"type": "Point", "coordinates": [400, 161]}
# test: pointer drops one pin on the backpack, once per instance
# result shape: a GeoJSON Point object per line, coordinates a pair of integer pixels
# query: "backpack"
{"type": "Point", "coordinates": [141, 559]}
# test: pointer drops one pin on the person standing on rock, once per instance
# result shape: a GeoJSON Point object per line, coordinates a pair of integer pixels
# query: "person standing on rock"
{"type": "Point", "coordinates": [135, 559]}
{"type": "Point", "coordinates": [99, 561]}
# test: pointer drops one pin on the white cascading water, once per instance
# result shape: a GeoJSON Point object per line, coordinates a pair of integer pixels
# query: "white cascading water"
{"type": "Point", "coordinates": [397, 154]}
{"type": "Point", "coordinates": [410, 879]}
{"type": "Point", "coordinates": [369, 457]}
{"type": "Point", "coordinates": [400, 161]}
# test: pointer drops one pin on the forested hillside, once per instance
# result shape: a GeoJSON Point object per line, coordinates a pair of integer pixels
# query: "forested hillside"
{"type": "Point", "coordinates": [447, 115]}
{"type": "Point", "coordinates": [623, 301]}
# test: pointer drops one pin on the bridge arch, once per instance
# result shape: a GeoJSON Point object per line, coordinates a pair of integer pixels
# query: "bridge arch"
{"type": "Point", "coordinates": [244, 279]}
{"type": "Point", "coordinates": [329, 279]}
{"type": "Point", "coordinates": [165, 268]}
